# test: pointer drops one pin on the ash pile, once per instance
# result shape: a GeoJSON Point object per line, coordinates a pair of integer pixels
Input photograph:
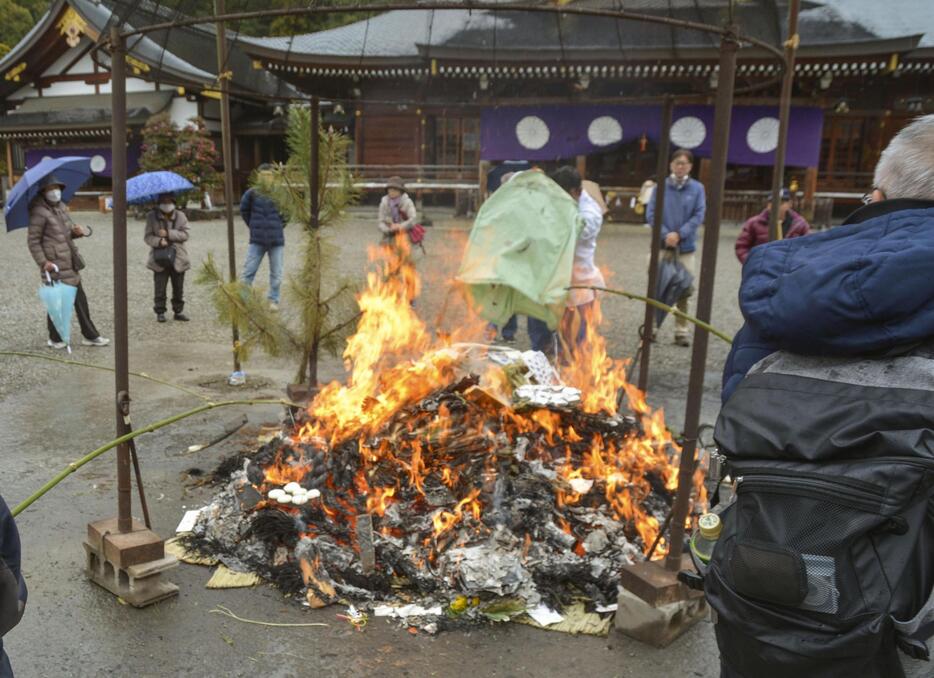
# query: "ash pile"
{"type": "Point", "coordinates": [492, 495]}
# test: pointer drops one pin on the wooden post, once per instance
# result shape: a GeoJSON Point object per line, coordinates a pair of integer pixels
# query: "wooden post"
{"type": "Point", "coordinates": [810, 188]}
{"type": "Point", "coordinates": [581, 162]}
{"type": "Point", "coordinates": [784, 114]}
{"type": "Point", "coordinates": [483, 173]}
{"type": "Point", "coordinates": [703, 174]}
{"type": "Point", "coordinates": [9, 161]}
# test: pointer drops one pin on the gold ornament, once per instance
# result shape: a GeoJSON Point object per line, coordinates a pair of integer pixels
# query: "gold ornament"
{"type": "Point", "coordinates": [72, 26]}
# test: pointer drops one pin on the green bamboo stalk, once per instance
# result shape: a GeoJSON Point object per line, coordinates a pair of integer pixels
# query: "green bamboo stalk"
{"type": "Point", "coordinates": [149, 428]}
{"type": "Point", "coordinates": [657, 304]}
{"type": "Point", "coordinates": [78, 363]}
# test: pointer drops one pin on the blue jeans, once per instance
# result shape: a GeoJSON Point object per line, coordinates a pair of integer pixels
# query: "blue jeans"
{"type": "Point", "coordinates": [542, 338]}
{"type": "Point", "coordinates": [254, 258]}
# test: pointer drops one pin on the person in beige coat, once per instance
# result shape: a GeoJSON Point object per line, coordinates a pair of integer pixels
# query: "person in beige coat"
{"type": "Point", "coordinates": [166, 235]}
{"type": "Point", "coordinates": [51, 238]}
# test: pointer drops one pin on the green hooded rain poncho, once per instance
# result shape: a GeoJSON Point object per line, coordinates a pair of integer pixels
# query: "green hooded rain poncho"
{"type": "Point", "coordinates": [520, 254]}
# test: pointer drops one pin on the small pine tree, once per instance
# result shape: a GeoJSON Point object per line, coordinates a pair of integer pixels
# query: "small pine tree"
{"type": "Point", "coordinates": [188, 151]}
{"type": "Point", "coordinates": [325, 306]}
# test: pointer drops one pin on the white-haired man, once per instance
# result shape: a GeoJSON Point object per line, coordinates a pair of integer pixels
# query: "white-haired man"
{"type": "Point", "coordinates": [829, 387]}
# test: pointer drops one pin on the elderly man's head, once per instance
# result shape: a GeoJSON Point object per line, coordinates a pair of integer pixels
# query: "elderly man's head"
{"type": "Point", "coordinates": [906, 168]}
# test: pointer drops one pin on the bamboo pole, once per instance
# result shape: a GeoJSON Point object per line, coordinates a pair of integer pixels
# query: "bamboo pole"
{"type": "Point", "coordinates": [124, 439]}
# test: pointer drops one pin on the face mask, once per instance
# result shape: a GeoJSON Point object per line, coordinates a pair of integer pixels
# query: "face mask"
{"type": "Point", "coordinates": [53, 195]}
{"type": "Point", "coordinates": [166, 207]}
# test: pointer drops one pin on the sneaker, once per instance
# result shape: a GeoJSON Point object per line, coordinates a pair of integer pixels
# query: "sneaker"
{"type": "Point", "coordinates": [100, 341]}
{"type": "Point", "coordinates": [182, 317]}
{"type": "Point", "coordinates": [274, 306]}
{"type": "Point", "coordinates": [160, 317]}
{"type": "Point", "coordinates": [58, 345]}
{"type": "Point", "coordinates": [681, 340]}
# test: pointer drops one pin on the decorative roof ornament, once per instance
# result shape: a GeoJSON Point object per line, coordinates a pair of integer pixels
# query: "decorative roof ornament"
{"type": "Point", "coordinates": [13, 75]}
{"type": "Point", "coordinates": [72, 26]}
{"type": "Point", "coordinates": [138, 67]}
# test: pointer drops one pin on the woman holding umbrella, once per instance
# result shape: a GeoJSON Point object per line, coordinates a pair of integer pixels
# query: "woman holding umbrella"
{"type": "Point", "coordinates": [166, 234]}
{"type": "Point", "coordinates": [51, 243]}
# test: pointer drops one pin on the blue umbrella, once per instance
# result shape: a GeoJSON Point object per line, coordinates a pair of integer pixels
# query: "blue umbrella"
{"type": "Point", "coordinates": [147, 187]}
{"type": "Point", "coordinates": [72, 171]}
{"type": "Point", "coordinates": [59, 300]}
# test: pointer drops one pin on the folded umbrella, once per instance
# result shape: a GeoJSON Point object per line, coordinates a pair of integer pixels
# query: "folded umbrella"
{"type": "Point", "coordinates": [59, 300]}
{"type": "Point", "coordinates": [72, 171]}
{"type": "Point", "coordinates": [674, 283]}
{"type": "Point", "coordinates": [148, 186]}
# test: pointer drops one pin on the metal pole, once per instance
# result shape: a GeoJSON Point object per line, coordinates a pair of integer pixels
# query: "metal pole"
{"type": "Point", "coordinates": [661, 173]}
{"type": "Point", "coordinates": [315, 175]}
{"type": "Point", "coordinates": [121, 340]}
{"type": "Point", "coordinates": [721, 138]}
{"type": "Point", "coordinates": [223, 78]}
{"type": "Point", "coordinates": [784, 113]}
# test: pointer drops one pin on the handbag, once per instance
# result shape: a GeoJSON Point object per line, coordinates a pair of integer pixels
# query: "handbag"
{"type": "Point", "coordinates": [164, 256]}
{"type": "Point", "coordinates": [417, 234]}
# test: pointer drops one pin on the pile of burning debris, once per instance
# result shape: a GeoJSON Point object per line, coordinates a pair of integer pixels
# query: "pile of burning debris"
{"type": "Point", "coordinates": [466, 481]}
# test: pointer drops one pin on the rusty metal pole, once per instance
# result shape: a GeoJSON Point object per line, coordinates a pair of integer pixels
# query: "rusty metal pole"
{"type": "Point", "coordinates": [121, 339]}
{"type": "Point", "coordinates": [661, 173]}
{"type": "Point", "coordinates": [223, 78]}
{"type": "Point", "coordinates": [721, 138]}
{"type": "Point", "coordinates": [784, 114]}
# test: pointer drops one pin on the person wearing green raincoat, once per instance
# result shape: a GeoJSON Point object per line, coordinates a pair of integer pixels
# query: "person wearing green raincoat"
{"type": "Point", "coordinates": [520, 254]}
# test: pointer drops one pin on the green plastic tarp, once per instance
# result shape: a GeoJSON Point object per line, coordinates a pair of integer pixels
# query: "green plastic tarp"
{"type": "Point", "coordinates": [520, 254]}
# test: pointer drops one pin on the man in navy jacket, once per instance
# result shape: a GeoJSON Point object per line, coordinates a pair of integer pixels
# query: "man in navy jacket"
{"type": "Point", "coordinates": [685, 206]}
{"type": "Point", "coordinates": [863, 288]}
{"type": "Point", "coordinates": [266, 237]}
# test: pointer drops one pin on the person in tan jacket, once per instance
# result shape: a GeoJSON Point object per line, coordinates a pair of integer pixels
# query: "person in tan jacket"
{"type": "Point", "coordinates": [166, 235]}
{"type": "Point", "coordinates": [51, 242]}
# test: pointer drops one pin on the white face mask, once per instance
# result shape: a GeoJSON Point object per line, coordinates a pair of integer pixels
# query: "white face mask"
{"type": "Point", "coordinates": [53, 195]}
{"type": "Point", "coordinates": [166, 207]}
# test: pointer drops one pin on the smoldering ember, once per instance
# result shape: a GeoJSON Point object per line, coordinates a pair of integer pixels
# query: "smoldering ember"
{"type": "Point", "coordinates": [463, 481]}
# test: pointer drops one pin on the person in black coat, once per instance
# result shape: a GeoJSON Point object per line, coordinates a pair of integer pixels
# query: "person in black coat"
{"type": "Point", "coordinates": [267, 237]}
{"type": "Point", "coordinates": [12, 584]}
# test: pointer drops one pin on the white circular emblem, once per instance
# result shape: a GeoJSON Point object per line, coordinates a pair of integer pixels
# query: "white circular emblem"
{"type": "Point", "coordinates": [98, 163]}
{"type": "Point", "coordinates": [762, 136]}
{"type": "Point", "coordinates": [688, 132]}
{"type": "Point", "coordinates": [604, 131]}
{"type": "Point", "coordinates": [532, 132]}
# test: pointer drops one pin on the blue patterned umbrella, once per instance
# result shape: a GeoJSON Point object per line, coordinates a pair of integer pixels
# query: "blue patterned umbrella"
{"type": "Point", "coordinates": [72, 171]}
{"type": "Point", "coordinates": [147, 187]}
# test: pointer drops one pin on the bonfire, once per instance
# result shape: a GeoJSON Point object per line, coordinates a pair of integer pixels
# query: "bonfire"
{"type": "Point", "coordinates": [462, 480]}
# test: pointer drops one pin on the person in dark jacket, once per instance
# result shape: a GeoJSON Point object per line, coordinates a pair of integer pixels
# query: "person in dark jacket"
{"type": "Point", "coordinates": [685, 206]}
{"type": "Point", "coordinates": [862, 288]}
{"type": "Point", "coordinates": [267, 237]}
{"type": "Point", "coordinates": [756, 229]}
{"type": "Point", "coordinates": [167, 227]}
{"type": "Point", "coordinates": [12, 585]}
{"type": "Point", "coordinates": [51, 242]}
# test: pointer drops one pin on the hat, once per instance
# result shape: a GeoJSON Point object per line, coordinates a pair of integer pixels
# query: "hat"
{"type": "Point", "coordinates": [396, 182]}
{"type": "Point", "coordinates": [48, 181]}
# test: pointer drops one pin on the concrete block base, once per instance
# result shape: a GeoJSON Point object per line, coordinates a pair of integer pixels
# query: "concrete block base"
{"type": "Point", "coordinates": [657, 626]}
{"type": "Point", "coordinates": [139, 584]}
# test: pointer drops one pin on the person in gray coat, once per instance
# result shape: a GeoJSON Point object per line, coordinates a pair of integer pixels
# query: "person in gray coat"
{"type": "Point", "coordinates": [166, 235]}
{"type": "Point", "coordinates": [51, 242]}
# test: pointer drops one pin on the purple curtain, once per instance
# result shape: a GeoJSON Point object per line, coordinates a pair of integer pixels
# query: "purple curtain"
{"type": "Point", "coordinates": [562, 132]}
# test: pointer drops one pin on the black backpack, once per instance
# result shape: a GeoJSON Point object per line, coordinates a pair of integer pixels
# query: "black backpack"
{"type": "Point", "coordinates": [825, 564]}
